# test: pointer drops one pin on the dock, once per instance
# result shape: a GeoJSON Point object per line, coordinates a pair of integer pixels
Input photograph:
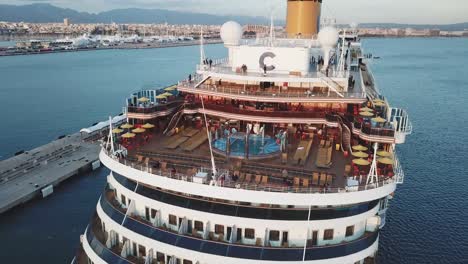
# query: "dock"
{"type": "Point", "coordinates": [36, 172]}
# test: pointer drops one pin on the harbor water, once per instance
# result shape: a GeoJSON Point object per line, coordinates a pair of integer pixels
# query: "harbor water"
{"type": "Point", "coordinates": [45, 96]}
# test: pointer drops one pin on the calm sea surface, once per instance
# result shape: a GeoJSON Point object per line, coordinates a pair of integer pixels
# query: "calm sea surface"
{"type": "Point", "coordinates": [45, 96]}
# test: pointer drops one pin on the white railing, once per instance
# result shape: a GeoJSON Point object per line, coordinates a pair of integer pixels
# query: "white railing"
{"type": "Point", "coordinates": [401, 121]}
{"type": "Point", "coordinates": [228, 183]}
{"type": "Point", "coordinates": [398, 170]}
{"type": "Point", "coordinates": [227, 89]}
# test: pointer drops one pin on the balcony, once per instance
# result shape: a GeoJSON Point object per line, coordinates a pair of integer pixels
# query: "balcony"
{"type": "Point", "coordinates": [149, 109]}
{"type": "Point", "coordinates": [224, 249]}
{"type": "Point", "coordinates": [292, 95]}
{"type": "Point", "coordinates": [238, 210]}
{"type": "Point", "coordinates": [262, 112]}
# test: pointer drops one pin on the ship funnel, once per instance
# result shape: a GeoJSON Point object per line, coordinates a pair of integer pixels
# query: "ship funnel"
{"type": "Point", "coordinates": [303, 19]}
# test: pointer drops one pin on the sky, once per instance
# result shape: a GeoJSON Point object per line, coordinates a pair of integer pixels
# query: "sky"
{"type": "Point", "coordinates": [345, 11]}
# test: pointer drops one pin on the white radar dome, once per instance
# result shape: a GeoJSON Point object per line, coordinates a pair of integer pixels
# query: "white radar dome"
{"type": "Point", "coordinates": [231, 33]}
{"type": "Point", "coordinates": [328, 37]}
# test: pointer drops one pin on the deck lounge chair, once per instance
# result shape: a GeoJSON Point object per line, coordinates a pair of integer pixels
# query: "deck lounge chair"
{"type": "Point", "coordinates": [258, 179]}
{"type": "Point", "coordinates": [297, 181]}
{"type": "Point", "coordinates": [323, 179]}
{"type": "Point", "coordinates": [315, 178]}
{"type": "Point", "coordinates": [248, 178]}
{"type": "Point", "coordinates": [329, 179]}
{"type": "Point", "coordinates": [305, 183]}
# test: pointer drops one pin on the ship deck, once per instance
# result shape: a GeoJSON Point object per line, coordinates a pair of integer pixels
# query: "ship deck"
{"type": "Point", "coordinates": [280, 172]}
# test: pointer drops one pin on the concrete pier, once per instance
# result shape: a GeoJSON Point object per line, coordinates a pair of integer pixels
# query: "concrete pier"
{"type": "Point", "coordinates": [24, 176]}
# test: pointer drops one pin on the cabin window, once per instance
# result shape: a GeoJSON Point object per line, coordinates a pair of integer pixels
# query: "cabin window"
{"type": "Point", "coordinates": [219, 229]}
{"type": "Point", "coordinates": [274, 235]}
{"type": "Point", "coordinates": [328, 234]}
{"type": "Point", "coordinates": [349, 231]}
{"type": "Point", "coordinates": [172, 220]}
{"type": "Point", "coordinates": [249, 233]}
{"type": "Point", "coordinates": [153, 213]}
{"type": "Point", "coordinates": [199, 226]}
{"type": "Point", "coordinates": [141, 251]}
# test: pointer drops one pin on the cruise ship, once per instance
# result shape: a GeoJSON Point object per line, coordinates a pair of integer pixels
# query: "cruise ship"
{"type": "Point", "coordinates": [283, 152]}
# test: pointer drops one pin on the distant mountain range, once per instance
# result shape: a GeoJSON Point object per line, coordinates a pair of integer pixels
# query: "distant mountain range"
{"type": "Point", "coordinates": [43, 13]}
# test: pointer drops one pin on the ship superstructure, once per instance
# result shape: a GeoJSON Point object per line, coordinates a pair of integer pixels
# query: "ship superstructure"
{"type": "Point", "coordinates": [282, 152]}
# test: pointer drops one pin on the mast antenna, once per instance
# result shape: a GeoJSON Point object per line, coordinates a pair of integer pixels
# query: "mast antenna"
{"type": "Point", "coordinates": [202, 50]}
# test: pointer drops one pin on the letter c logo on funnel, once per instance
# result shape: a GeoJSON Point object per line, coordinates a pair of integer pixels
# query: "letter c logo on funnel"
{"type": "Point", "coordinates": [262, 61]}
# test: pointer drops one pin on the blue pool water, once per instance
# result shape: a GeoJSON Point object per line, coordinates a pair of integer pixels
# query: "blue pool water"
{"type": "Point", "coordinates": [44, 96]}
{"type": "Point", "coordinates": [257, 146]}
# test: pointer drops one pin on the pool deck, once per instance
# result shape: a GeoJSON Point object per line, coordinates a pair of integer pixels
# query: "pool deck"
{"type": "Point", "coordinates": [273, 166]}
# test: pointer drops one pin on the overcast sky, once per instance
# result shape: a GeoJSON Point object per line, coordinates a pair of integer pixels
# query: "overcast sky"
{"type": "Point", "coordinates": [345, 11]}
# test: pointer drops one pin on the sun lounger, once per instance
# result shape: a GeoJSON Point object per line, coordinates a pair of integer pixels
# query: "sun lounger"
{"type": "Point", "coordinates": [324, 156]}
{"type": "Point", "coordinates": [190, 132]}
{"type": "Point", "coordinates": [302, 152]}
{"type": "Point", "coordinates": [176, 143]}
{"type": "Point", "coordinates": [194, 142]}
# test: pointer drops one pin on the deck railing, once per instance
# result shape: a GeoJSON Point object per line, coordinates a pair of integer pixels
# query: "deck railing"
{"type": "Point", "coordinates": [228, 183]}
{"type": "Point", "coordinates": [155, 108]}
{"type": "Point", "coordinates": [233, 90]}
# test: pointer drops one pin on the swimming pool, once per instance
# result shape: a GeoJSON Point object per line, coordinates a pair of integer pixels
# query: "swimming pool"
{"type": "Point", "coordinates": [257, 147]}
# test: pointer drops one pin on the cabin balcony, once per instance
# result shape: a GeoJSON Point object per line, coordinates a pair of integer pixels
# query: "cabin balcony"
{"type": "Point", "coordinates": [137, 228]}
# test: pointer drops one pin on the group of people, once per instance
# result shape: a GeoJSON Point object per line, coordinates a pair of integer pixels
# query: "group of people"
{"type": "Point", "coordinates": [208, 62]}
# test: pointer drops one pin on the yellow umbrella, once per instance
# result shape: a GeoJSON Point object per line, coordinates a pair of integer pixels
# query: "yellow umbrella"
{"type": "Point", "coordinates": [361, 162]}
{"type": "Point", "coordinates": [383, 153]}
{"type": "Point", "coordinates": [387, 161]}
{"type": "Point", "coordinates": [379, 120]}
{"type": "Point", "coordinates": [360, 154]}
{"type": "Point", "coordinates": [360, 148]}
{"type": "Point", "coordinates": [366, 114]}
{"type": "Point", "coordinates": [139, 130]}
{"type": "Point", "coordinates": [128, 135]}
{"type": "Point", "coordinates": [161, 96]}
{"type": "Point", "coordinates": [144, 99]}
{"type": "Point", "coordinates": [366, 109]}
{"type": "Point", "coordinates": [127, 126]}
{"type": "Point", "coordinates": [379, 103]}
{"type": "Point", "coordinates": [117, 131]}
{"type": "Point", "coordinates": [170, 89]}
{"type": "Point", "coordinates": [147, 126]}
{"type": "Point", "coordinates": [167, 94]}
